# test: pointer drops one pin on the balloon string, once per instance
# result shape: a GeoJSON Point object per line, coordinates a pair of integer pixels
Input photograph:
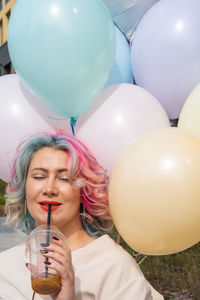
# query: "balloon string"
{"type": "Point", "coordinates": [73, 123]}
{"type": "Point", "coordinates": [131, 40]}
{"type": "Point", "coordinates": [111, 235]}
{"type": "Point", "coordinates": [118, 239]}
{"type": "Point", "coordinates": [56, 119]}
{"type": "Point", "coordinates": [137, 257]}
{"type": "Point", "coordinates": [142, 260]}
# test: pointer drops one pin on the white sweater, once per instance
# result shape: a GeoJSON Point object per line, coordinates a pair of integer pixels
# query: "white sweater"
{"type": "Point", "coordinates": [103, 271]}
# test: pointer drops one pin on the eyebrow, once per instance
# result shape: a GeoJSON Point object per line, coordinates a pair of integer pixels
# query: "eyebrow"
{"type": "Point", "coordinates": [45, 170]}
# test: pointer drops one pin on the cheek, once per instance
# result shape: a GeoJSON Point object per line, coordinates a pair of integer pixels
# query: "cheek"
{"type": "Point", "coordinates": [72, 196]}
{"type": "Point", "coordinates": [69, 192]}
{"type": "Point", "coordinates": [31, 191]}
{"type": "Point", "coordinates": [76, 196]}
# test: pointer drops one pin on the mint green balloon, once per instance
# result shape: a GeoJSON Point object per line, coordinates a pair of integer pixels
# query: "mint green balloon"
{"type": "Point", "coordinates": [63, 50]}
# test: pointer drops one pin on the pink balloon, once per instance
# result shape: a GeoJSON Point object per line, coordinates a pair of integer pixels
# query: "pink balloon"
{"type": "Point", "coordinates": [120, 114]}
{"type": "Point", "coordinates": [21, 114]}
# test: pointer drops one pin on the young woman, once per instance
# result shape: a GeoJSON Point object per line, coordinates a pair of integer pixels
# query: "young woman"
{"type": "Point", "coordinates": [58, 169]}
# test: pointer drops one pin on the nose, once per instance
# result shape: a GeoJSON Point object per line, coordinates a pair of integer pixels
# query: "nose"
{"type": "Point", "coordinates": [50, 188]}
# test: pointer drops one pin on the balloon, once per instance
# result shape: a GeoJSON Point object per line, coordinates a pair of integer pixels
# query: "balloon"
{"type": "Point", "coordinates": [118, 6]}
{"type": "Point", "coordinates": [128, 13]}
{"type": "Point", "coordinates": [166, 52]}
{"type": "Point", "coordinates": [21, 114]}
{"type": "Point", "coordinates": [121, 71]}
{"type": "Point", "coordinates": [62, 50]}
{"type": "Point", "coordinates": [190, 113]}
{"type": "Point", "coordinates": [118, 115]}
{"type": "Point", "coordinates": [154, 192]}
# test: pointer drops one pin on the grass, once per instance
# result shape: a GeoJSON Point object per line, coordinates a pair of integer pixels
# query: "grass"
{"type": "Point", "coordinates": [175, 274]}
{"type": "Point", "coordinates": [2, 191]}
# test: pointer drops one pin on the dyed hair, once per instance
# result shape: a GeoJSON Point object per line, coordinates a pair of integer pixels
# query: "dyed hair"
{"type": "Point", "coordinates": [84, 173]}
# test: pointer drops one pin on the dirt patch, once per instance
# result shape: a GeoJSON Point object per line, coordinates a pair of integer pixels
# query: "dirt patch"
{"type": "Point", "coordinates": [2, 212]}
{"type": "Point", "coordinates": [184, 295]}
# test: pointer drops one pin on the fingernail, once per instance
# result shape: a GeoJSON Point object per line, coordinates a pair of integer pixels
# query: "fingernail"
{"type": "Point", "coordinates": [44, 251]}
{"type": "Point", "coordinates": [47, 262]}
{"type": "Point", "coordinates": [55, 238]}
{"type": "Point", "coordinates": [44, 245]}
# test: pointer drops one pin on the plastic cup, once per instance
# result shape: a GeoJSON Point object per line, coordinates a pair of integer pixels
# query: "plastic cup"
{"type": "Point", "coordinates": [45, 281]}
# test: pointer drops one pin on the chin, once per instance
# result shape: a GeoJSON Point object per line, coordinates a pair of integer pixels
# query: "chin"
{"type": "Point", "coordinates": [40, 220]}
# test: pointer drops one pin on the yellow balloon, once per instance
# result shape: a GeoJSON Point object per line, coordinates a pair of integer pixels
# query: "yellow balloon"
{"type": "Point", "coordinates": [154, 192]}
{"type": "Point", "coordinates": [190, 114]}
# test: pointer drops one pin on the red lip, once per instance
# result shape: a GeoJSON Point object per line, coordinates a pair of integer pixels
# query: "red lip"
{"type": "Point", "coordinates": [44, 204]}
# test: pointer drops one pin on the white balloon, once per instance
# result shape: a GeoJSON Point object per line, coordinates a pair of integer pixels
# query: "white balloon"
{"type": "Point", "coordinates": [120, 114]}
{"type": "Point", "coordinates": [166, 52]}
{"type": "Point", "coordinates": [21, 115]}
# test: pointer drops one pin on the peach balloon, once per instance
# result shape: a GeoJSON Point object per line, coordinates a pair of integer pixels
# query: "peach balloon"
{"type": "Point", "coordinates": [189, 117]}
{"type": "Point", "coordinates": [154, 192]}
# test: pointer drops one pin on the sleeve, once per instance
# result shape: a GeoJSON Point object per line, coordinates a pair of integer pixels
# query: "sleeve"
{"type": "Point", "coordinates": [127, 281]}
{"type": "Point", "coordinates": [139, 289]}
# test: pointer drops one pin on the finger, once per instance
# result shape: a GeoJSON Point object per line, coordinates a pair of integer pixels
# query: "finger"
{"type": "Point", "coordinates": [59, 242]}
{"type": "Point", "coordinates": [62, 249]}
{"type": "Point", "coordinates": [61, 259]}
{"type": "Point", "coordinates": [55, 248]}
{"type": "Point", "coordinates": [65, 273]}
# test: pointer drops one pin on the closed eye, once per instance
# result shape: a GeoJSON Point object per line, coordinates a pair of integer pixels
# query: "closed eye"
{"type": "Point", "coordinates": [64, 179]}
{"type": "Point", "coordinates": [38, 176]}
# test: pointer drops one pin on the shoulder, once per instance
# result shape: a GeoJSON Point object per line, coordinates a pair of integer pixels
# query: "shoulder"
{"type": "Point", "coordinates": [16, 249]}
{"type": "Point", "coordinates": [105, 252]}
{"type": "Point", "coordinates": [103, 243]}
{"type": "Point", "coordinates": [121, 259]}
{"type": "Point", "coordinates": [112, 249]}
{"type": "Point", "coordinates": [114, 272]}
{"type": "Point", "coordinates": [12, 256]}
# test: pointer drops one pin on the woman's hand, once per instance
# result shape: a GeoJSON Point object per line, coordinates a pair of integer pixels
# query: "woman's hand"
{"type": "Point", "coordinates": [60, 260]}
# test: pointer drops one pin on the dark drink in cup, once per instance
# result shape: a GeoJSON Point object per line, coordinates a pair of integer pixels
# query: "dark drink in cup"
{"type": "Point", "coordinates": [46, 285]}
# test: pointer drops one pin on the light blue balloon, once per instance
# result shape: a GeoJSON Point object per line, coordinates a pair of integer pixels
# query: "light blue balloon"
{"type": "Point", "coordinates": [63, 50]}
{"type": "Point", "coordinates": [121, 71]}
{"type": "Point", "coordinates": [127, 14]}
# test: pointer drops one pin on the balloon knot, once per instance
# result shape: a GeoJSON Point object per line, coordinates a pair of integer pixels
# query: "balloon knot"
{"type": "Point", "coordinates": [73, 123]}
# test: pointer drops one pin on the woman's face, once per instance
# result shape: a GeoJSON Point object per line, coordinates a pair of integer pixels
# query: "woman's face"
{"type": "Point", "coordinates": [48, 182]}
